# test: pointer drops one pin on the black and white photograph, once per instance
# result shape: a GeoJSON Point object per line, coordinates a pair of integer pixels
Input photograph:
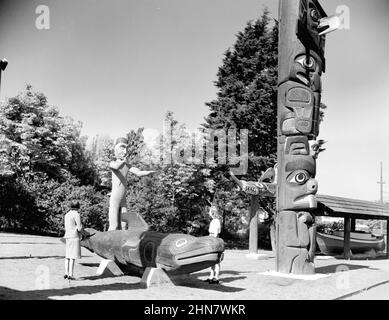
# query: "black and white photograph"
{"type": "Point", "coordinates": [205, 152]}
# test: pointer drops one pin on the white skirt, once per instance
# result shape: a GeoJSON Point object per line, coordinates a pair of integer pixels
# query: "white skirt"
{"type": "Point", "coordinates": [73, 248]}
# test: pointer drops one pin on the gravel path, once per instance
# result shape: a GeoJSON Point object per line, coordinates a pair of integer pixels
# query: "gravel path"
{"type": "Point", "coordinates": [32, 267]}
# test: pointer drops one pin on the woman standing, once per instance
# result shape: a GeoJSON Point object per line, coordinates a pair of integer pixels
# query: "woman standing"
{"type": "Point", "coordinates": [73, 228]}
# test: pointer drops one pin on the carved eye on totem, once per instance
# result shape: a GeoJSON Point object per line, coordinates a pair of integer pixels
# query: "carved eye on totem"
{"type": "Point", "coordinates": [314, 15]}
{"type": "Point", "coordinates": [311, 64]}
{"type": "Point", "coordinates": [299, 177]}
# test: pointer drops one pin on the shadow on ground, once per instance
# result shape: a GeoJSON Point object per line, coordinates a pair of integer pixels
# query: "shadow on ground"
{"type": "Point", "coordinates": [335, 268]}
{"type": "Point", "coordinates": [191, 282]}
{"type": "Point", "coordinates": [10, 294]}
{"type": "Point", "coordinates": [34, 243]}
{"type": "Point", "coordinates": [31, 257]}
{"type": "Point", "coordinates": [195, 282]}
{"type": "Point", "coordinates": [95, 277]}
{"type": "Point", "coordinates": [92, 265]}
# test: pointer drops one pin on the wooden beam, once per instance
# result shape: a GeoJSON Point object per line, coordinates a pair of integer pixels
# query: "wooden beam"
{"type": "Point", "coordinates": [253, 232]}
{"type": "Point", "coordinates": [347, 234]}
{"type": "Point", "coordinates": [353, 222]}
{"type": "Point", "coordinates": [387, 237]}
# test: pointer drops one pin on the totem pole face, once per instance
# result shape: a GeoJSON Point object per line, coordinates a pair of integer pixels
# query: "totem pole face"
{"type": "Point", "coordinates": [310, 13]}
{"type": "Point", "coordinates": [297, 109]}
{"type": "Point", "coordinates": [307, 70]}
{"type": "Point", "coordinates": [300, 96]}
{"type": "Point", "coordinates": [301, 65]}
{"type": "Point", "coordinates": [300, 186]}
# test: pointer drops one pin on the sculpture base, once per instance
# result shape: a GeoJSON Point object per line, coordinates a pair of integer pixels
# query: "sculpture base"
{"type": "Point", "coordinates": [256, 256]}
{"type": "Point", "coordinates": [156, 277]}
{"type": "Point", "coordinates": [308, 277]}
{"type": "Point", "coordinates": [108, 267]}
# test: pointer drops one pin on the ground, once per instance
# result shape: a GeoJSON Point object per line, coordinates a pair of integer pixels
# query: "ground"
{"type": "Point", "coordinates": [32, 267]}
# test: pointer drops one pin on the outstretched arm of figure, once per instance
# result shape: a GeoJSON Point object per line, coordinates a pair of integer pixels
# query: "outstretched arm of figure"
{"type": "Point", "coordinates": [254, 187]}
{"type": "Point", "coordinates": [116, 165]}
{"type": "Point", "coordinates": [236, 180]}
{"type": "Point", "coordinates": [140, 173]}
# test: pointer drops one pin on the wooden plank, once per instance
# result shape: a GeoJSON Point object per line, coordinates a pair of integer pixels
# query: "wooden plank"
{"type": "Point", "coordinates": [351, 206]}
{"type": "Point", "coordinates": [353, 222]}
{"type": "Point", "coordinates": [360, 209]}
{"type": "Point", "coordinates": [347, 234]}
{"type": "Point", "coordinates": [344, 202]}
{"type": "Point", "coordinates": [369, 215]}
{"type": "Point", "coordinates": [253, 232]}
{"type": "Point", "coordinates": [357, 206]}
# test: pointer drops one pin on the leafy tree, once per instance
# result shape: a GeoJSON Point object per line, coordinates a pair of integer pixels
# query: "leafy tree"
{"type": "Point", "coordinates": [247, 92]}
{"type": "Point", "coordinates": [172, 199]}
{"type": "Point", "coordinates": [36, 138]}
{"type": "Point", "coordinates": [102, 153]}
{"type": "Point", "coordinates": [44, 164]}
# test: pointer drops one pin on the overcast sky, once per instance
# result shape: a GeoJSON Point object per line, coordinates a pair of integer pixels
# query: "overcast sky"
{"type": "Point", "coordinates": [121, 64]}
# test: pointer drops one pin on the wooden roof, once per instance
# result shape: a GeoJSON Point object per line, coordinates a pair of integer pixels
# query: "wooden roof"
{"type": "Point", "coordinates": [339, 207]}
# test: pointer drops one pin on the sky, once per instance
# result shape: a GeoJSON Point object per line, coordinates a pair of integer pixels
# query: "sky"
{"type": "Point", "coordinates": [121, 64]}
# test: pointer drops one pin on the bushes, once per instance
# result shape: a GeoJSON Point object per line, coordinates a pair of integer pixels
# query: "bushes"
{"type": "Point", "coordinates": [329, 228]}
{"type": "Point", "coordinates": [40, 205]}
{"type": "Point", "coordinates": [44, 164]}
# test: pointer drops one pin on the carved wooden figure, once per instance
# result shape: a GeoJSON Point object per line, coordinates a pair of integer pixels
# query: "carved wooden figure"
{"type": "Point", "coordinates": [117, 203]}
{"type": "Point", "coordinates": [134, 250]}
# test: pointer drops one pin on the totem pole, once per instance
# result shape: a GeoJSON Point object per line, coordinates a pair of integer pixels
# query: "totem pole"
{"type": "Point", "coordinates": [3, 65]}
{"type": "Point", "coordinates": [303, 25]}
{"type": "Point", "coordinates": [264, 187]}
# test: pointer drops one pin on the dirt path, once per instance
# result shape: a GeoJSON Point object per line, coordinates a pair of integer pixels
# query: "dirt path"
{"type": "Point", "coordinates": [32, 267]}
{"type": "Point", "coordinates": [378, 292]}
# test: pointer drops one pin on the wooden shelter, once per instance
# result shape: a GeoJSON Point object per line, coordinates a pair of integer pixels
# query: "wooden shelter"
{"type": "Point", "coordinates": [350, 210]}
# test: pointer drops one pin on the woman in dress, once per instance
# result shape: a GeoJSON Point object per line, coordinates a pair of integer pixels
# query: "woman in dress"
{"type": "Point", "coordinates": [73, 228]}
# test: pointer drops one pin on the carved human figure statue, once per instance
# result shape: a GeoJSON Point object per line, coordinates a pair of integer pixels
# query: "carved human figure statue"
{"type": "Point", "coordinates": [120, 168]}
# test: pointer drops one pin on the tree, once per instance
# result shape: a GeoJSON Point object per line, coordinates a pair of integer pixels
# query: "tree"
{"type": "Point", "coordinates": [247, 92]}
{"type": "Point", "coordinates": [172, 199]}
{"type": "Point", "coordinates": [36, 138]}
{"type": "Point", "coordinates": [44, 164]}
{"type": "Point", "coordinates": [102, 153]}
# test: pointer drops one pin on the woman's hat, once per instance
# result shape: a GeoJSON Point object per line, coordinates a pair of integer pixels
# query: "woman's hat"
{"type": "Point", "coordinates": [74, 204]}
{"type": "Point", "coordinates": [121, 140]}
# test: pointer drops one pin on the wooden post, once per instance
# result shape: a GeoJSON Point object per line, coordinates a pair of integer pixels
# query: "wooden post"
{"type": "Point", "coordinates": [224, 221]}
{"type": "Point", "coordinates": [253, 232]}
{"type": "Point", "coordinates": [347, 230]}
{"type": "Point", "coordinates": [353, 223]}
{"type": "Point", "coordinates": [386, 238]}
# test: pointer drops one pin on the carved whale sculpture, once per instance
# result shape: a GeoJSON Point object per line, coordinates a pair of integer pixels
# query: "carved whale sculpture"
{"type": "Point", "coordinates": [134, 250]}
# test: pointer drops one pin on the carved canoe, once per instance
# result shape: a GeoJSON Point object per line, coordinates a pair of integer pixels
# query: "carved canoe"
{"type": "Point", "coordinates": [359, 242]}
